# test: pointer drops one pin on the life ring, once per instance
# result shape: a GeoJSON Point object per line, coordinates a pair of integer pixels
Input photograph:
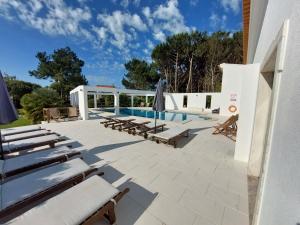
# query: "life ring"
{"type": "Point", "coordinates": [232, 108]}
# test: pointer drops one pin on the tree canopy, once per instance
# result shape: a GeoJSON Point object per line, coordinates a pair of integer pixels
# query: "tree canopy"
{"type": "Point", "coordinates": [188, 61]}
{"type": "Point", "coordinates": [34, 103]}
{"type": "Point", "coordinates": [18, 88]}
{"type": "Point", "coordinates": [140, 75]}
{"type": "Point", "coordinates": [63, 67]}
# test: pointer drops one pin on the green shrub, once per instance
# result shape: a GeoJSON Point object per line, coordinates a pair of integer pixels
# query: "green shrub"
{"type": "Point", "coordinates": [34, 103]}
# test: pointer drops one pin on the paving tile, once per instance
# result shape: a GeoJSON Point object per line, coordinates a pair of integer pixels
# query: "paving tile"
{"type": "Point", "coordinates": [163, 185]}
{"type": "Point", "coordinates": [170, 213]}
{"type": "Point", "coordinates": [202, 221]}
{"type": "Point", "coordinates": [223, 196]}
{"type": "Point", "coordinates": [233, 217]}
{"type": "Point", "coordinates": [203, 206]}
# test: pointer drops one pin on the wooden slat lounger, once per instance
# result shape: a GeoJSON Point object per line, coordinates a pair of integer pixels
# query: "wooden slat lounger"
{"type": "Point", "coordinates": [150, 127]}
{"type": "Point", "coordinates": [21, 136]}
{"type": "Point", "coordinates": [84, 203]}
{"type": "Point", "coordinates": [30, 143]}
{"type": "Point", "coordinates": [29, 189]}
{"type": "Point", "coordinates": [228, 128]}
{"type": "Point", "coordinates": [171, 136]}
{"type": "Point", "coordinates": [24, 163]}
{"type": "Point", "coordinates": [107, 119]}
{"type": "Point", "coordinates": [118, 122]}
{"type": "Point", "coordinates": [18, 130]}
{"type": "Point", "coordinates": [130, 125]}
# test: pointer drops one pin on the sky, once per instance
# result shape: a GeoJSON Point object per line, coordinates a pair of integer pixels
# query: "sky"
{"type": "Point", "coordinates": [105, 34]}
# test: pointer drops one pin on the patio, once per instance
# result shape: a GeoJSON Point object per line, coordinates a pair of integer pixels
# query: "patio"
{"type": "Point", "coordinates": [197, 183]}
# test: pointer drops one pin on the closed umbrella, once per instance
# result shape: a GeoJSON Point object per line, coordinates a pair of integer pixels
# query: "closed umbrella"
{"type": "Point", "coordinates": [159, 102]}
{"type": "Point", "coordinates": [8, 112]}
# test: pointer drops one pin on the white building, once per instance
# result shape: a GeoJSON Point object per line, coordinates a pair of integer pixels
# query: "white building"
{"type": "Point", "coordinates": [274, 45]}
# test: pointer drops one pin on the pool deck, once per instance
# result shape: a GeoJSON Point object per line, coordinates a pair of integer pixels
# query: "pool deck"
{"type": "Point", "coordinates": [197, 183]}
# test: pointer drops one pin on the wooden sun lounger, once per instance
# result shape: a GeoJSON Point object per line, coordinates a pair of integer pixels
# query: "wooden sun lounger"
{"type": "Point", "coordinates": [144, 129]}
{"type": "Point", "coordinates": [107, 119]}
{"type": "Point", "coordinates": [26, 135]}
{"type": "Point", "coordinates": [118, 122]}
{"type": "Point", "coordinates": [171, 136]}
{"type": "Point", "coordinates": [30, 143]}
{"type": "Point", "coordinates": [19, 130]}
{"type": "Point", "coordinates": [228, 128]}
{"type": "Point", "coordinates": [34, 160]}
{"type": "Point", "coordinates": [84, 203]}
{"type": "Point", "coordinates": [130, 125]}
{"type": "Point", "coordinates": [34, 187]}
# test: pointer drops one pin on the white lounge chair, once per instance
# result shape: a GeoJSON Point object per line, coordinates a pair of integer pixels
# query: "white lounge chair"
{"type": "Point", "coordinates": [28, 189]}
{"type": "Point", "coordinates": [30, 143]}
{"type": "Point", "coordinates": [24, 163]}
{"type": "Point", "coordinates": [171, 136]}
{"type": "Point", "coordinates": [84, 203]}
{"type": "Point", "coordinates": [18, 130]}
{"type": "Point", "coordinates": [26, 135]}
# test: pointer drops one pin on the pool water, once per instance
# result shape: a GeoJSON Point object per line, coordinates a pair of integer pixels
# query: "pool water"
{"type": "Point", "coordinates": [169, 116]}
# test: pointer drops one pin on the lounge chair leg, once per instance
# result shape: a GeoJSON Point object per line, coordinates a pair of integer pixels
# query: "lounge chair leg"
{"type": "Point", "coordinates": [111, 216]}
{"type": "Point", "coordinates": [52, 145]}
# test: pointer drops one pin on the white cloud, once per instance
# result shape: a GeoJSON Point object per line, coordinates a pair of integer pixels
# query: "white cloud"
{"type": "Point", "coordinates": [124, 3]}
{"type": "Point", "coordinates": [234, 5]}
{"type": "Point", "coordinates": [160, 36]}
{"type": "Point", "coordinates": [59, 18]}
{"type": "Point", "coordinates": [165, 18]}
{"type": "Point", "coordinates": [116, 24]}
{"type": "Point", "coordinates": [194, 2]}
{"type": "Point", "coordinates": [217, 22]}
{"type": "Point", "coordinates": [150, 44]}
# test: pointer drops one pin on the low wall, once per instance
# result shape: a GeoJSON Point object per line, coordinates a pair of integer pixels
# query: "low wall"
{"type": "Point", "coordinates": [195, 101]}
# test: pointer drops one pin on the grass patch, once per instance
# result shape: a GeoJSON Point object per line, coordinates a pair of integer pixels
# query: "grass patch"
{"type": "Point", "coordinates": [22, 121]}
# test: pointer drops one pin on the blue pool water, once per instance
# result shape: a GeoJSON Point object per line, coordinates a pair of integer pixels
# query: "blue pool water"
{"type": "Point", "coordinates": [170, 116]}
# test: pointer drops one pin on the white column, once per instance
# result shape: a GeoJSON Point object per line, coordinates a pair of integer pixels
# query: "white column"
{"type": "Point", "coordinates": [132, 100]}
{"type": "Point", "coordinates": [116, 100]}
{"type": "Point", "coordinates": [95, 101]}
{"type": "Point", "coordinates": [117, 103]}
{"type": "Point", "coordinates": [146, 100]}
{"type": "Point", "coordinates": [83, 104]}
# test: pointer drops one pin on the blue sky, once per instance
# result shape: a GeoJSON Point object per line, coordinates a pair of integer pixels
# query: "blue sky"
{"type": "Point", "coordinates": [104, 33]}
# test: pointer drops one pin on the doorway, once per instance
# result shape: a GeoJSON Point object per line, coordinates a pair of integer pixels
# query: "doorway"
{"type": "Point", "coordinates": [208, 102]}
{"type": "Point", "coordinates": [185, 101]}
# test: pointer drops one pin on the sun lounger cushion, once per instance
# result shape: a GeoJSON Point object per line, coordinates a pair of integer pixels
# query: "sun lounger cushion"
{"type": "Point", "coordinates": [11, 131]}
{"type": "Point", "coordinates": [27, 142]}
{"type": "Point", "coordinates": [72, 206]}
{"type": "Point", "coordinates": [17, 189]}
{"type": "Point", "coordinates": [25, 135]}
{"type": "Point", "coordinates": [152, 125]}
{"type": "Point", "coordinates": [171, 133]}
{"type": "Point", "coordinates": [33, 158]}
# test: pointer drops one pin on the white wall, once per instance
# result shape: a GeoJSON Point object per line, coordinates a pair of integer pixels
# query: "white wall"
{"type": "Point", "coordinates": [196, 101]}
{"type": "Point", "coordinates": [277, 12]}
{"type": "Point", "coordinates": [231, 88]}
{"type": "Point", "coordinates": [280, 194]}
{"type": "Point", "coordinates": [247, 99]}
{"type": "Point", "coordinates": [258, 9]}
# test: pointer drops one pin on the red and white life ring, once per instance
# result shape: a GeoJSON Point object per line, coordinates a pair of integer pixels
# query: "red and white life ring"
{"type": "Point", "coordinates": [232, 108]}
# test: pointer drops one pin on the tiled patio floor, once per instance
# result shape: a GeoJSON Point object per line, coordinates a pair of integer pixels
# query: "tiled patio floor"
{"type": "Point", "coordinates": [197, 183]}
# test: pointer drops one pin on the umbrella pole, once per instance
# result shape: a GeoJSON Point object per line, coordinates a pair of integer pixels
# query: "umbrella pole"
{"type": "Point", "coordinates": [155, 122]}
{"type": "Point", "coordinates": [1, 148]}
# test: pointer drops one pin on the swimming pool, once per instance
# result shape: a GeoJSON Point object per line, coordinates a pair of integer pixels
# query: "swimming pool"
{"type": "Point", "coordinates": [170, 116]}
